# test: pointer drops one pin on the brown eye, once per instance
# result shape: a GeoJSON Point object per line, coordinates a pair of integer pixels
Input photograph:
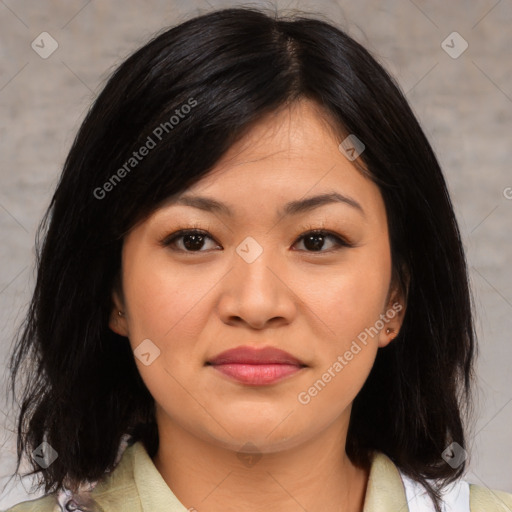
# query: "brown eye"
{"type": "Point", "coordinates": [192, 240]}
{"type": "Point", "coordinates": [314, 241]}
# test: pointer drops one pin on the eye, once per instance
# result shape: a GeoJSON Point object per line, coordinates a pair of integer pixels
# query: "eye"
{"type": "Point", "coordinates": [193, 240]}
{"type": "Point", "coordinates": [314, 240]}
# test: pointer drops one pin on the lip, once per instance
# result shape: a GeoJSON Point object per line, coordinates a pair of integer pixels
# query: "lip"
{"type": "Point", "coordinates": [250, 355]}
{"type": "Point", "coordinates": [256, 366]}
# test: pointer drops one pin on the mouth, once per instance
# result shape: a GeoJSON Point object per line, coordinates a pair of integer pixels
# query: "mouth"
{"type": "Point", "coordinates": [256, 366]}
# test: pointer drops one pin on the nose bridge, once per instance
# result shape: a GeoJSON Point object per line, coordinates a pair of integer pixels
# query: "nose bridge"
{"type": "Point", "coordinates": [255, 260]}
{"type": "Point", "coordinates": [255, 293]}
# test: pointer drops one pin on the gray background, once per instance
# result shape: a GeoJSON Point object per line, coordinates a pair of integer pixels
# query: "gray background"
{"type": "Point", "coordinates": [463, 103]}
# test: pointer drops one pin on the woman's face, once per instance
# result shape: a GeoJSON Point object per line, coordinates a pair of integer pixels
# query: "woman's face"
{"type": "Point", "coordinates": [253, 280]}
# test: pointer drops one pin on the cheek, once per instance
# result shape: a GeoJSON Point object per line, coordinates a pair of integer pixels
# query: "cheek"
{"type": "Point", "coordinates": [337, 383]}
{"type": "Point", "coordinates": [349, 305]}
{"type": "Point", "coordinates": [351, 297]}
{"type": "Point", "coordinates": [168, 307]}
{"type": "Point", "coordinates": [167, 302]}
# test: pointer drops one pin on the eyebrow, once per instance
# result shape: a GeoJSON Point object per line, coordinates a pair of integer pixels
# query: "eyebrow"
{"type": "Point", "coordinates": [291, 208]}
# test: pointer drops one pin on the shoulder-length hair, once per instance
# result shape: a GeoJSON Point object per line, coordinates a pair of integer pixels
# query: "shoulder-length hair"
{"type": "Point", "coordinates": [187, 96]}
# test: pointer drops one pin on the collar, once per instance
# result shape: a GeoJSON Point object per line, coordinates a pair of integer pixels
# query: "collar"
{"type": "Point", "coordinates": [153, 491]}
{"type": "Point", "coordinates": [385, 490]}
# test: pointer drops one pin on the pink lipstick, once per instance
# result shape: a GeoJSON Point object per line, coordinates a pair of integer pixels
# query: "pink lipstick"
{"type": "Point", "coordinates": [256, 366]}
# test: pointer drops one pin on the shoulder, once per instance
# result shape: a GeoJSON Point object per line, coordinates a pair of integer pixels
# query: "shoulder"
{"type": "Point", "coordinates": [44, 504]}
{"type": "Point", "coordinates": [115, 491]}
{"type": "Point", "coordinates": [387, 482]}
{"type": "Point", "coordinates": [483, 499]}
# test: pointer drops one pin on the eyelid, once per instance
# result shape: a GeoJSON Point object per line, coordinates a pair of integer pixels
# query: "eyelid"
{"type": "Point", "coordinates": [186, 226]}
{"type": "Point", "coordinates": [341, 241]}
{"type": "Point", "coordinates": [185, 231]}
{"type": "Point", "coordinates": [319, 228]}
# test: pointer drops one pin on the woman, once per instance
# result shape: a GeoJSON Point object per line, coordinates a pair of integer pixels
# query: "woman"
{"type": "Point", "coordinates": [252, 292]}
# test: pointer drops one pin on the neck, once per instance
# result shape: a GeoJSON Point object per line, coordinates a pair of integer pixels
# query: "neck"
{"type": "Point", "coordinates": [314, 475]}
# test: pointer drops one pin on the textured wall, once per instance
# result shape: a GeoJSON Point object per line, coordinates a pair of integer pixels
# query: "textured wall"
{"type": "Point", "coordinates": [463, 100]}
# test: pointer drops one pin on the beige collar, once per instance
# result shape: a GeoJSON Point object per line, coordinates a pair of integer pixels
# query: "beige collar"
{"type": "Point", "coordinates": [385, 490]}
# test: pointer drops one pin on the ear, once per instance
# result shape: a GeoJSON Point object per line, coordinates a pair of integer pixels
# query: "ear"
{"type": "Point", "coordinates": [118, 323]}
{"type": "Point", "coordinates": [394, 312]}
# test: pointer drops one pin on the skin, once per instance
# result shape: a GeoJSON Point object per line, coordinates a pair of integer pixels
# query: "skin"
{"type": "Point", "coordinates": [312, 304]}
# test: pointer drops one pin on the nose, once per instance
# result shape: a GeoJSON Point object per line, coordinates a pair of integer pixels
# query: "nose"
{"type": "Point", "coordinates": [257, 292]}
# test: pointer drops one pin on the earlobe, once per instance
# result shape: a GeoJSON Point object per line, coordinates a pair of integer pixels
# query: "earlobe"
{"type": "Point", "coordinates": [117, 321]}
{"type": "Point", "coordinates": [387, 335]}
{"type": "Point", "coordinates": [394, 316]}
{"type": "Point", "coordinates": [396, 306]}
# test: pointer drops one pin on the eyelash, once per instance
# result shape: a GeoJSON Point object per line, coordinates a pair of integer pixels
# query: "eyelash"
{"type": "Point", "coordinates": [309, 230]}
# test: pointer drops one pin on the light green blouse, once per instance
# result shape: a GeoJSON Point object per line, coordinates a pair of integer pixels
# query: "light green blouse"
{"type": "Point", "coordinates": [135, 485]}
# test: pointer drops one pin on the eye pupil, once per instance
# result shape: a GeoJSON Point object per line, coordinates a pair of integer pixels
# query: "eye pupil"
{"type": "Point", "coordinates": [193, 241]}
{"type": "Point", "coordinates": [310, 244]}
{"type": "Point", "coordinates": [197, 241]}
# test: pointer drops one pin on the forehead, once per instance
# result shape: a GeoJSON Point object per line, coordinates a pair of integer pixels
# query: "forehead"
{"type": "Point", "coordinates": [288, 161]}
